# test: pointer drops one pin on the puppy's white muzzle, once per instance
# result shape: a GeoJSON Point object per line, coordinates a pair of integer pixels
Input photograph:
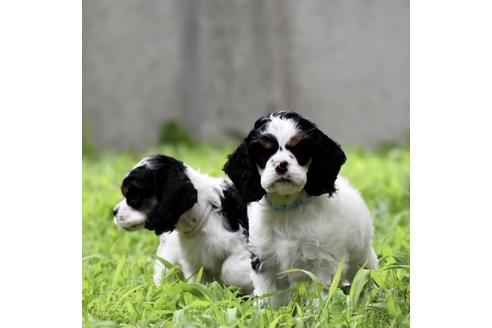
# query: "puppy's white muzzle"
{"type": "Point", "coordinates": [127, 217]}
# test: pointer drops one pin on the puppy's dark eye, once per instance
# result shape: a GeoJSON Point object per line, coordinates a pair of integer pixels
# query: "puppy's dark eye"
{"type": "Point", "coordinates": [263, 148]}
{"type": "Point", "coordinates": [301, 150]}
{"type": "Point", "coordinates": [133, 195]}
{"type": "Point", "coordinates": [267, 142]}
{"type": "Point", "coordinates": [134, 200]}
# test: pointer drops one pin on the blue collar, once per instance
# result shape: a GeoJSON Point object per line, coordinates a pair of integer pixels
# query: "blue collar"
{"type": "Point", "coordinates": [295, 204]}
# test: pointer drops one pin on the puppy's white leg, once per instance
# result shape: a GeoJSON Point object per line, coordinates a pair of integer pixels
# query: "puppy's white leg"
{"type": "Point", "coordinates": [264, 283]}
{"type": "Point", "coordinates": [236, 271]}
{"type": "Point", "coordinates": [165, 251]}
{"type": "Point", "coordinates": [372, 260]}
{"type": "Point", "coordinates": [159, 268]}
{"type": "Point", "coordinates": [158, 271]}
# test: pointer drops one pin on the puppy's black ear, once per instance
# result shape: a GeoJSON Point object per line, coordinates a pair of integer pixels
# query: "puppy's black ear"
{"type": "Point", "coordinates": [328, 157]}
{"type": "Point", "coordinates": [243, 172]}
{"type": "Point", "coordinates": [175, 194]}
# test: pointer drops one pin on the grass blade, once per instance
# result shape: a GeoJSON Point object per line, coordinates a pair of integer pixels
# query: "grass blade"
{"type": "Point", "coordinates": [360, 280]}
{"type": "Point", "coordinates": [335, 281]}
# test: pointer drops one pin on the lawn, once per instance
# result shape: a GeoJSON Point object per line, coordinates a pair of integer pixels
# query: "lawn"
{"type": "Point", "coordinates": [117, 287]}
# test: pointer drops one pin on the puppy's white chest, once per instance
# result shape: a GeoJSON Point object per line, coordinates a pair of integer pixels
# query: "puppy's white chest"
{"type": "Point", "coordinates": [291, 252]}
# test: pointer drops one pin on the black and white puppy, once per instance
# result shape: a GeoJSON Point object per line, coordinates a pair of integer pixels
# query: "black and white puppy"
{"type": "Point", "coordinates": [302, 214]}
{"type": "Point", "coordinates": [202, 220]}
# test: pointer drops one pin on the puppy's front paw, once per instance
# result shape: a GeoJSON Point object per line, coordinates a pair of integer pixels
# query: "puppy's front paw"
{"type": "Point", "coordinates": [261, 302]}
{"type": "Point", "coordinates": [157, 280]}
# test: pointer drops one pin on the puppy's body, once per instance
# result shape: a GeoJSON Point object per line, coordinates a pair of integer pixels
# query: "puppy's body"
{"type": "Point", "coordinates": [315, 236]}
{"type": "Point", "coordinates": [301, 213]}
{"type": "Point", "coordinates": [203, 219]}
{"type": "Point", "coordinates": [223, 255]}
{"type": "Point", "coordinates": [219, 248]}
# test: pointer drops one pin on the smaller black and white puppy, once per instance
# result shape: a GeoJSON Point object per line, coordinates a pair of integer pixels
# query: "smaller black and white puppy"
{"type": "Point", "coordinates": [202, 220]}
{"type": "Point", "coordinates": [302, 214]}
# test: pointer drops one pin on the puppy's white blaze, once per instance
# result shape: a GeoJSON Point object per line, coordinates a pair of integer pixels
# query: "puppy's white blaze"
{"type": "Point", "coordinates": [282, 129]}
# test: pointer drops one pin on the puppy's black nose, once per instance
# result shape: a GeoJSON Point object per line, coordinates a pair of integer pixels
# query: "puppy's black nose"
{"type": "Point", "coordinates": [115, 211]}
{"type": "Point", "coordinates": [281, 167]}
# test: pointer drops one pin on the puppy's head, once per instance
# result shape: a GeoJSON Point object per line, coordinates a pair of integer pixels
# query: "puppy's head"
{"type": "Point", "coordinates": [284, 154]}
{"type": "Point", "coordinates": [157, 192]}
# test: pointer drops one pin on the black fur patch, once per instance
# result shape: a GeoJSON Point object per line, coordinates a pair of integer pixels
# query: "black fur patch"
{"type": "Point", "coordinates": [303, 151]}
{"type": "Point", "coordinates": [234, 209]}
{"type": "Point", "coordinates": [137, 187]}
{"type": "Point", "coordinates": [164, 178]}
{"type": "Point", "coordinates": [327, 159]}
{"type": "Point", "coordinates": [259, 153]}
{"type": "Point", "coordinates": [174, 191]}
{"type": "Point", "coordinates": [255, 263]}
{"type": "Point", "coordinates": [241, 167]}
{"type": "Point", "coordinates": [242, 170]}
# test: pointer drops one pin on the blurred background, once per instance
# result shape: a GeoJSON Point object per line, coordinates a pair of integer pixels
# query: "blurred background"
{"type": "Point", "coordinates": [206, 70]}
{"type": "Point", "coordinates": [188, 78]}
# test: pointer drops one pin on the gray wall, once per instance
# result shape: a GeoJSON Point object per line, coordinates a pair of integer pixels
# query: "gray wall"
{"type": "Point", "coordinates": [217, 65]}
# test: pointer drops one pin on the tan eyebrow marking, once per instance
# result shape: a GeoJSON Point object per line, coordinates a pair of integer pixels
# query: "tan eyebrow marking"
{"type": "Point", "coordinates": [124, 189]}
{"type": "Point", "coordinates": [266, 142]}
{"type": "Point", "coordinates": [294, 141]}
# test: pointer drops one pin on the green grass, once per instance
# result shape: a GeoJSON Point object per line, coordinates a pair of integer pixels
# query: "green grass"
{"type": "Point", "coordinates": [117, 286]}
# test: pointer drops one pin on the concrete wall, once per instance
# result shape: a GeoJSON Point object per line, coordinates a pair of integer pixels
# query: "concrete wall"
{"type": "Point", "coordinates": [216, 65]}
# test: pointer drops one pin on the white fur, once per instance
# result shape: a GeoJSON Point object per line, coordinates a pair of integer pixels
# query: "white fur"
{"type": "Point", "coordinates": [315, 237]}
{"type": "Point", "coordinates": [223, 254]}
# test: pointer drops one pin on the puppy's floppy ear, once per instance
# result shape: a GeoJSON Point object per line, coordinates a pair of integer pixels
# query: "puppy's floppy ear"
{"type": "Point", "coordinates": [328, 157]}
{"type": "Point", "coordinates": [243, 172]}
{"type": "Point", "coordinates": [175, 194]}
